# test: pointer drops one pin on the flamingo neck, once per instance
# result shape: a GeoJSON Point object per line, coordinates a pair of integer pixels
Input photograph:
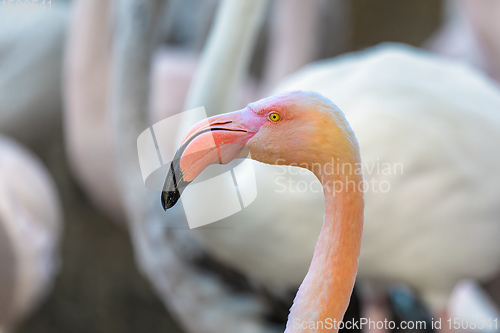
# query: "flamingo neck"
{"type": "Point", "coordinates": [324, 294]}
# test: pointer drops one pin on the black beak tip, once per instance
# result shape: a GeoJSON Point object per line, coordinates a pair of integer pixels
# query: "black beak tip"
{"type": "Point", "coordinates": [164, 200]}
{"type": "Point", "coordinates": [169, 199]}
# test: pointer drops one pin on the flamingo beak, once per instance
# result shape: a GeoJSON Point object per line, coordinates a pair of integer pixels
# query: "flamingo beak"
{"type": "Point", "coordinates": [216, 140]}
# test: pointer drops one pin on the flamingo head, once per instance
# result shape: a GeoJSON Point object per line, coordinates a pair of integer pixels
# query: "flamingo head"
{"type": "Point", "coordinates": [296, 128]}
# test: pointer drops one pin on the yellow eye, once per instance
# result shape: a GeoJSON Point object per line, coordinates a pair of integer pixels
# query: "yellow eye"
{"type": "Point", "coordinates": [274, 117]}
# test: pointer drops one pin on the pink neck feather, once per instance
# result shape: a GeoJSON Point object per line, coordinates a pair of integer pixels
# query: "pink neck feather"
{"type": "Point", "coordinates": [325, 292]}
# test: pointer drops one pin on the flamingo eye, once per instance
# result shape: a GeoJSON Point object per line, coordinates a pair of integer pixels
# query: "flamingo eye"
{"type": "Point", "coordinates": [274, 117]}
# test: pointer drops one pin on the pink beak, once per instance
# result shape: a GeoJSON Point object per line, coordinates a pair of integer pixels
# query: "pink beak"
{"type": "Point", "coordinates": [217, 140]}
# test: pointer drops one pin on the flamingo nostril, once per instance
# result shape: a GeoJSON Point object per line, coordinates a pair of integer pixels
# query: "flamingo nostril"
{"type": "Point", "coordinates": [221, 122]}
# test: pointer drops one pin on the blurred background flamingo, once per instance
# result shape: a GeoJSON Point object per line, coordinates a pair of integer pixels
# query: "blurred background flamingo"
{"type": "Point", "coordinates": [30, 228]}
{"type": "Point", "coordinates": [469, 33]}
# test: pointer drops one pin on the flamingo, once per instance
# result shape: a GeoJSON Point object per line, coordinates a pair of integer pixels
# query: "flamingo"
{"type": "Point", "coordinates": [300, 129]}
{"type": "Point", "coordinates": [30, 227]}
{"type": "Point", "coordinates": [408, 92]}
{"type": "Point", "coordinates": [389, 93]}
{"type": "Point", "coordinates": [431, 86]}
{"type": "Point", "coordinates": [427, 80]}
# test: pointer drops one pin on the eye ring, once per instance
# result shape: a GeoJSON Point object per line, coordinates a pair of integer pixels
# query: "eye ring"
{"type": "Point", "coordinates": [274, 117]}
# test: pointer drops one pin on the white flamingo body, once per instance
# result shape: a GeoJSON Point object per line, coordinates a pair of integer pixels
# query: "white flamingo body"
{"type": "Point", "coordinates": [436, 121]}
